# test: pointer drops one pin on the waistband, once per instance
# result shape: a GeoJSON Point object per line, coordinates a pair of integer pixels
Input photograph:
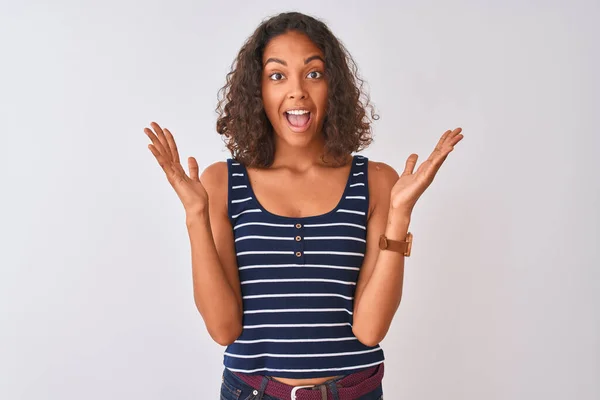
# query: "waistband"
{"type": "Point", "coordinates": [348, 387]}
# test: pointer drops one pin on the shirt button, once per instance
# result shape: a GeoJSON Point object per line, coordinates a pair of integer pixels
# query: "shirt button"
{"type": "Point", "coordinates": [298, 238]}
{"type": "Point", "coordinates": [298, 226]}
{"type": "Point", "coordinates": [298, 254]}
{"type": "Point", "coordinates": [255, 392]}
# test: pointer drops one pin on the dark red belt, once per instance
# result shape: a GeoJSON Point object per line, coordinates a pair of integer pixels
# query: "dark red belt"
{"type": "Point", "coordinates": [350, 387]}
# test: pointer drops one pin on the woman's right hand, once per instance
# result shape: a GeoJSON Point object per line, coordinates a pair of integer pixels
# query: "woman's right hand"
{"type": "Point", "coordinates": [190, 190]}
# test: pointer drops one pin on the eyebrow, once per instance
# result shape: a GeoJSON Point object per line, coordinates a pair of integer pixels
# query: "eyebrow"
{"type": "Point", "coordinates": [309, 59]}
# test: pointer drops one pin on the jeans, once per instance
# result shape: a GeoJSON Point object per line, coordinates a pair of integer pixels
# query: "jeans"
{"type": "Point", "coordinates": [233, 388]}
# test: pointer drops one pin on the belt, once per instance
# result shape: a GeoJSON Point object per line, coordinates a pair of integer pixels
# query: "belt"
{"type": "Point", "coordinates": [349, 387]}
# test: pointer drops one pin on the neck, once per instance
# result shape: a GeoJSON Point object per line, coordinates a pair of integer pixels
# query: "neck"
{"type": "Point", "coordinates": [299, 157]}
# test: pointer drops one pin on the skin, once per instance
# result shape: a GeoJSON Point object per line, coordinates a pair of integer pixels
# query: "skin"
{"type": "Point", "coordinates": [293, 76]}
{"type": "Point", "coordinates": [298, 184]}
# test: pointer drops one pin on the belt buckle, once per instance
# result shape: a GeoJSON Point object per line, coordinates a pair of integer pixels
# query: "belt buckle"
{"type": "Point", "coordinates": [296, 388]}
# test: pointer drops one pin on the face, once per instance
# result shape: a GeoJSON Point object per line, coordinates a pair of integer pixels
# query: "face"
{"type": "Point", "coordinates": [294, 90]}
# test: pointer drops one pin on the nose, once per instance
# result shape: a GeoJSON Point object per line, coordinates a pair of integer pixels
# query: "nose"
{"type": "Point", "coordinates": [297, 90]}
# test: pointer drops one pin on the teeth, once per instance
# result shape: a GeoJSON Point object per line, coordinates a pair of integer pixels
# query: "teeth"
{"type": "Point", "coordinates": [297, 112]}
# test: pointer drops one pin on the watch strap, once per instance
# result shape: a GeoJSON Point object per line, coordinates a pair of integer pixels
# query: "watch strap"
{"type": "Point", "coordinates": [399, 246]}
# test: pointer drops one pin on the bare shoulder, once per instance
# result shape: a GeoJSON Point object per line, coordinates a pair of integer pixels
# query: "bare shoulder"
{"type": "Point", "coordinates": [382, 177]}
{"type": "Point", "coordinates": [214, 179]}
{"type": "Point", "coordinates": [214, 174]}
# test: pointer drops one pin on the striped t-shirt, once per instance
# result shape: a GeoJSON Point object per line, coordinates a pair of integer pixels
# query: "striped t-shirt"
{"type": "Point", "coordinates": [298, 277]}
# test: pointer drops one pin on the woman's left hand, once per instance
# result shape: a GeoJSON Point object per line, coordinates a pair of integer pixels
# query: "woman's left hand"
{"type": "Point", "coordinates": [411, 185]}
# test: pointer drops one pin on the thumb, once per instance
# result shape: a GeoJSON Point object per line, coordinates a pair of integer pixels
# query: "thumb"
{"type": "Point", "coordinates": [410, 164]}
{"type": "Point", "coordinates": [193, 167]}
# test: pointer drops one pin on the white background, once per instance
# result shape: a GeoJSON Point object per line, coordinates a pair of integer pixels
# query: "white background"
{"type": "Point", "coordinates": [501, 295]}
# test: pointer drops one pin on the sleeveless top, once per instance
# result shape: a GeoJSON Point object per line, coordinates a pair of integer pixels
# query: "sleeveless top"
{"type": "Point", "coordinates": [298, 277]}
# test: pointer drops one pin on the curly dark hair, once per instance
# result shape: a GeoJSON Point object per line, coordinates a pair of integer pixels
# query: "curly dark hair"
{"type": "Point", "coordinates": [243, 122]}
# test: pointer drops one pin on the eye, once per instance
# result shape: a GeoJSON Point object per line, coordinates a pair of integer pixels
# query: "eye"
{"type": "Point", "coordinates": [277, 76]}
{"type": "Point", "coordinates": [314, 75]}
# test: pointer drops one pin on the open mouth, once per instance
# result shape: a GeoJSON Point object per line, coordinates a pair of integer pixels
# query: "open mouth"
{"type": "Point", "coordinates": [298, 120]}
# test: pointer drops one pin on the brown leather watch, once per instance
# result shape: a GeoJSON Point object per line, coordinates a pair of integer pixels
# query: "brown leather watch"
{"type": "Point", "coordinates": [399, 246]}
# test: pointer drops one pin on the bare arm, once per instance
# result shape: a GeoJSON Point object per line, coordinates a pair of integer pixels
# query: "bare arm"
{"type": "Point", "coordinates": [379, 288]}
{"type": "Point", "coordinates": [217, 292]}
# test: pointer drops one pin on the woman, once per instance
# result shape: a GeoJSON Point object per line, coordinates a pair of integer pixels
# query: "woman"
{"type": "Point", "coordinates": [297, 245]}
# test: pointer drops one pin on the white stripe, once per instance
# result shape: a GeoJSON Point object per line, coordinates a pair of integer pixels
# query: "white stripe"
{"type": "Point", "coordinates": [237, 174]}
{"type": "Point", "coordinates": [247, 211]}
{"type": "Point", "coordinates": [245, 253]}
{"type": "Point", "coordinates": [268, 296]}
{"type": "Point", "coordinates": [235, 163]}
{"type": "Point", "coordinates": [298, 266]}
{"type": "Point", "coordinates": [335, 224]}
{"type": "Point", "coordinates": [362, 163]}
{"type": "Point", "coordinates": [347, 353]}
{"type": "Point", "coordinates": [351, 212]}
{"type": "Point", "coordinates": [358, 173]}
{"type": "Point", "coordinates": [241, 200]}
{"type": "Point", "coordinates": [336, 253]}
{"type": "Point", "coordinates": [335, 238]}
{"type": "Point", "coordinates": [239, 187]}
{"type": "Point", "coordinates": [357, 184]}
{"type": "Point", "coordinates": [263, 237]}
{"type": "Point", "coordinates": [248, 371]}
{"type": "Point", "coordinates": [297, 310]}
{"type": "Point", "coordinates": [356, 197]}
{"type": "Point", "coordinates": [264, 224]}
{"type": "Point", "coordinates": [295, 325]}
{"type": "Point", "coordinates": [297, 280]}
{"type": "Point", "coordinates": [296, 340]}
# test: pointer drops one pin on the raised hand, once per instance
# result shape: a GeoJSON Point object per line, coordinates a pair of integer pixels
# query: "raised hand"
{"type": "Point", "coordinates": [189, 189]}
{"type": "Point", "coordinates": [411, 185]}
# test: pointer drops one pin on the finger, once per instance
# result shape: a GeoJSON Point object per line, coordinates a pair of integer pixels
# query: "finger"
{"type": "Point", "coordinates": [193, 167]}
{"type": "Point", "coordinates": [451, 141]}
{"type": "Point", "coordinates": [445, 136]}
{"type": "Point", "coordinates": [438, 148]}
{"type": "Point", "coordinates": [423, 168]}
{"type": "Point", "coordinates": [154, 139]}
{"type": "Point", "coordinates": [443, 154]}
{"type": "Point", "coordinates": [448, 136]}
{"type": "Point", "coordinates": [156, 153]}
{"type": "Point", "coordinates": [454, 132]}
{"type": "Point", "coordinates": [159, 157]}
{"type": "Point", "coordinates": [172, 145]}
{"type": "Point", "coordinates": [172, 171]}
{"type": "Point", "coordinates": [452, 136]}
{"type": "Point", "coordinates": [441, 151]}
{"type": "Point", "coordinates": [455, 140]}
{"type": "Point", "coordinates": [445, 144]}
{"type": "Point", "coordinates": [161, 137]}
{"type": "Point", "coordinates": [411, 161]}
